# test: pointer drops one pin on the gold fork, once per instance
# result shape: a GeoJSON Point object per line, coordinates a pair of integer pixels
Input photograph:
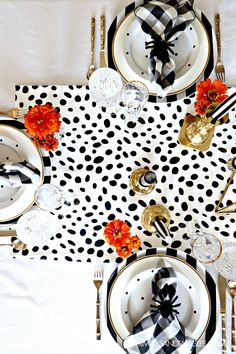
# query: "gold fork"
{"type": "Point", "coordinates": [219, 68]}
{"type": "Point", "coordinates": [14, 113]}
{"type": "Point", "coordinates": [98, 279]}
{"type": "Point", "coordinates": [222, 290]}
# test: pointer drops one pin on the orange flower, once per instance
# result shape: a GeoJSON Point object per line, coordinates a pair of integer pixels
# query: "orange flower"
{"type": "Point", "coordinates": [124, 250]}
{"type": "Point", "coordinates": [116, 232]}
{"type": "Point", "coordinates": [207, 92]}
{"type": "Point", "coordinates": [135, 242]}
{"type": "Point", "coordinates": [201, 106]}
{"type": "Point", "coordinates": [42, 120]}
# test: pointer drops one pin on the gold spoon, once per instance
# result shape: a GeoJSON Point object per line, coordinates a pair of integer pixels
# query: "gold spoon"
{"type": "Point", "coordinates": [231, 164]}
{"type": "Point", "coordinates": [92, 68]}
{"type": "Point", "coordinates": [231, 286]}
{"type": "Point", "coordinates": [17, 245]}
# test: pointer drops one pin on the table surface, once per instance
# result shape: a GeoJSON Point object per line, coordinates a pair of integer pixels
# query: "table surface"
{"type": "Point", "coordinates": [47, 306]}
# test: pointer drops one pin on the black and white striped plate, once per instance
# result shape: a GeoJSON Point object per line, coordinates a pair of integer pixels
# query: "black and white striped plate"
{"type": "Point", "coordinates": [126, 53]}
{"type": "Point", "coordinates": [16, 212]}
{"type": "Point", "coordinates": [129, 294]}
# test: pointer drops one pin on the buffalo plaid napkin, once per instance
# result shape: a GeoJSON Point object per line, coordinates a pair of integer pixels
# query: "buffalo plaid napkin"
{"type": "Point", "coordinates": [16, 174]}
{"type": "Point", "coordinates": [159, 331]}
{"type": "Point", "coordinates": [164, 20]}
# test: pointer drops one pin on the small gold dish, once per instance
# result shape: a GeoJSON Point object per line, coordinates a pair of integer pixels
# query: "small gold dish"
{"type": "Point", "coordinates": [183, 139]}
{"type": "Point", "coordinates": [150, 214]}
{"type": "Point", "coordinates": [135, 182]}
{"type": "Point", "coordinates": [201, 134]}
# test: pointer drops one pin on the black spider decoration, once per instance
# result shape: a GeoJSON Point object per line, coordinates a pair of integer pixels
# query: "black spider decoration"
{"type": "Point", "coordinates": [167, 301]}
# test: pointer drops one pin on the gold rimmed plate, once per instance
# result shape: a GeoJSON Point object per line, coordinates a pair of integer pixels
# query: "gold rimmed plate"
{"type": "Point", "coordinates": [193, 53]}
{"type": "Point", "coordinates": [16, 146]}
{"type": "Point", "coordinates": [129, 294]}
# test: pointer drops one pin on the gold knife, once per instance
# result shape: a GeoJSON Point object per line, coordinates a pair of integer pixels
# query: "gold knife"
{"type": "Point", "coordinates": [222, 290]}
{"type": "Point", "coordinates": [7, 233]}
{"type": "Point", "coordinates": [102, 42]}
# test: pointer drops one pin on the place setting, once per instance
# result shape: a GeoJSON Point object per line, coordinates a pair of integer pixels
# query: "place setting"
{"type": "Point", "coordinates": [133, 173]}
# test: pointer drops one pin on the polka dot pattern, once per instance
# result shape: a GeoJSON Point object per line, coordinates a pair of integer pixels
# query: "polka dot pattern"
{"type": "Point", "coordinates": [96, 156]}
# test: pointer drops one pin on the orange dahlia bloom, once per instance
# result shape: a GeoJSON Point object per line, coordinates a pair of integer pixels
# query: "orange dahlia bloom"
{"type": "Point", "coordinates": [124, 250]}
{"type": "Point", "coordinates": [135, 242]}
{"type": "Point", "coordinates": [49, 143]}
{"type": "Point", "coordinates": [116, 232]}
{"type": "Point", "coordinates": [42, 120]}
{"type": "Point", "coordinates": [207, 92]}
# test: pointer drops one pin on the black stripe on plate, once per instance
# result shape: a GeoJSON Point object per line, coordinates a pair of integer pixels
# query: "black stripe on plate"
{"type": "Point", "coordinates": [109, 326]}
{"type": "Point", "coordinates": [109, 285]}
{"type": "Point", "coordinates": [210, 64]}
{"type": "Point", "coordinates": [47, 179]}
{"type": "Point", "coordinates": [12, 123]}
{"type": "Point", "coordinates": [111, 279]}
{"type": "Point", "coordinates": [192, 261]}
{"type": "Point", "coordinates": [171, 98]}
{"type": "Point", "coordinates": [190, 90]}
{"type": "Point", "coordinates": [131, 259]}
{"type": "Point", "coordinates": [110, 35]}
{"type": "Point", "coordinates": [129, 8]}
{"type": "Point", "coordinates": [151, 251]}
{"type": "Point", "coordinates": [46, 161]}
{"type": "Point", "coordinates": [212, 322]}
{"type": "Point", "coordinates": [171, 252]}
{"type": "Point", "coordinates": [152, 99]}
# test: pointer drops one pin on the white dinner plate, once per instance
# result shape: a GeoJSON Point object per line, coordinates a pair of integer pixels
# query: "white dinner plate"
{"type": "Point", "coordinates": [194, 53]}
{"type": "Point", "coordinates": [16, 146]}
{"type": "Point", "coordinates": [129, 294]}
{"type": "Point", "coordinates": [191, 54]}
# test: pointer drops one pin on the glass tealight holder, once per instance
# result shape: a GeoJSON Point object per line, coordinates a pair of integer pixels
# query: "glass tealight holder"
{"type": "Point", "coordinates": [206, 248]}
{"type": "Point", "coordinates": [49, 197]}
{"type": "Point", "coordinates": [134, 97]}
{"type": "Point", "coordinates": [105, 85]}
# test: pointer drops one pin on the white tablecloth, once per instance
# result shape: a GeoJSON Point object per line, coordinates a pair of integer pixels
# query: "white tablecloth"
{"type": "Point", "coordinates": [49, 307]}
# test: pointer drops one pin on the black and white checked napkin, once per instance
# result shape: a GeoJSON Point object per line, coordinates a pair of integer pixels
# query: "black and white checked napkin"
{"type": "Point", "coordinates": [159, 330]}
{"type": "Point", "coordinates": [164, 20]}
{"type": "Point", "coordinates": [16, 174]}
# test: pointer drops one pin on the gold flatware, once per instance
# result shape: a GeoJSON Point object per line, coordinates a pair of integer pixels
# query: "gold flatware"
{"type": "Point", "coordinates": [222, 290]}
{"type": "Point", "coordinates": [92, 68]}
{"type": "Point", "coordinates": [98, 279]}
{"type": "Point", "coordinates": [14, 113]}
{"type": "Point", "coordinates": [219, 67]}
{"type": "Point", "coordinates": [231, 287]}
{"type": "Point", "coordinates": [102, 42]}
{"type": "Point", "coordinates": [16, 244]}
{"type": "Point", "coordinates": [231, 165]}
{"type": "Point", "coordinates": [7, 233]}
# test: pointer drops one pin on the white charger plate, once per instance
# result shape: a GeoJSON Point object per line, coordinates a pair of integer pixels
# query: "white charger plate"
{"type": "Point", "coordinates": [16, 146]}
{"type": "Point", "coordinates": [129, 294]}
{"type": "Point", "coordinates": [201, 35]}
{"type": "Point", "coordinates": [191, 54]}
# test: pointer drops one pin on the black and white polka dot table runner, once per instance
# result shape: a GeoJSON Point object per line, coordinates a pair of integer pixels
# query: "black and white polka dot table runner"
{"type": "Point", "coordinates": [94, 161]}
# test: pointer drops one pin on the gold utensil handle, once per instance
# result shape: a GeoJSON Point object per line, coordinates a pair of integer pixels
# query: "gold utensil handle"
{"type": "Point", "coordinates": [92, 38]}
{"type": "Point", "coordinates": [223, 333]}
{"type": "Point", "coordinates": [98, 329]}
{"type": "Point", "coordinates": [233, 328]}
{"type": "Point", "coordinates": [102, 32]}
{"type": "Point", "coordinates": [10, 113]}
{"type": "Point", "coordinates": [225, 190]}
{"type": "Point", "coordinates": [218, 39]}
